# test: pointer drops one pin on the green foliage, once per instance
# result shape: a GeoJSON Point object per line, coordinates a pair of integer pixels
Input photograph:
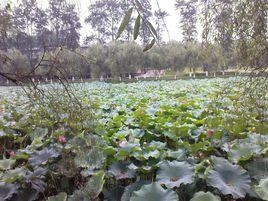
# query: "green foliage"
{"type": "Point", "coordinates": [7, 190]}
{"type": "Point", "coordinates": [202, 196]}
{"type": "Point", "coordinates": [41, 157]}
{"type": "Point", "coordinates": [92, 188]}
{"type": "Point", "coordinates": [262, 189]}
{"type": "Point", "coordinates": [18, 63]}
{"type": "Point", "coordinates": [112, 140]}
{"type": "Point", "coordinates": [132, 188]}
{"type": "Point", "coordinates": [59, 197]}
{"type": "Point", "coordinates": [173, 174]}
{"type": "Point", "coordinates": [121, 171]}
{"type": "Point", "coordinates": [154, 192]}
{"type": "Point", "coordinates": [228, 178]}
{"type": "Point", "coordinates": [137, 27]}
{"type": "Point", "coordinates": [149, 46]}
{"type": "Point", "coordinates": [7, 164]}
{"type": "Point", "coordinates": [124, 22]}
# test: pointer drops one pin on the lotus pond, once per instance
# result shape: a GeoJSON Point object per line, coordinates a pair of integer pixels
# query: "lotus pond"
{"type": "Point", "coordinates": [194, 140]}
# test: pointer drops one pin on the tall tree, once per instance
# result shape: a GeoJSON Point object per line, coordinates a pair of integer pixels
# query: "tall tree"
{"type": "Point", "coordinates": [65, 23]}
{"type": "Point", "coordinates": [188, 13]}
{"type": "Point", "coordinates": [251, 33]}
{"type": "Point", "coordinates": [5, 27]}
{"type": "Point", "coordinates": [104, 17]}
{"type": "Point", "coordinates": [145, 32]}
{"type": "Point", "coordinates": [71, 27]}
{"type": "Point", "coordinates": [24, 17]}
{"type": "Point", "coordinates": [160, 16]}
{"type": "Point", "coordinates": [223, 21]}
{"type": "Point", "coordinates": [42, 31]}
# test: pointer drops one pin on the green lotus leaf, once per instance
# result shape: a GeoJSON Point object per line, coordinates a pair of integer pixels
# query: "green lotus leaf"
{"type": "Point", "coordinates": [258, 139]}
{"type": "Point", "coordinates": [91, 190]}
{"type": "Point", "coordinates": [175, 173]}
{"type": "Point", "coordinates": [91, 159]}
{"type": "Point", "coordinates": [13, 175]}
{"type": "Point", "coordinates": [39, 132]}
{"type": "Point", "coordinates": [262, 189]}
{"type": "Point", "coordinates": [228, 178]}
{"type": "Point", "coordinates": [112, 194]}
{"type": "Point", "coordinates": [154, 192]}
{"type": "Point", "coordinates": [243, 152]}
{"type": "Point", "coordinates": [170, 135]}
{"type": "Point", "coordinates": [179, 155]}
{"type": "Point", "coordinates": [258, 169]}
{"type": "Point", "coordinates": [95, 185]}
{"type": "Point", "coordinates": [42, 157]}
{"type": "Point", "coordinates": [145, 155]}
{"type": "Point", "coordinates": [25, 194]}
{"type": "Point", "coordinates": [155, 144]}
{"type": "Point", "coordinates": [121, 170]}
{"type": "Point", "coordinates": [60, 197]}
{"type": "Point", "coordinates": [7, 190]}
{"type": "Point", "coordinates": [202, 196]}
{"type": "Point", "coordinates": [7, 164]}
{"type": "Point", "coordinates": [131, 188]}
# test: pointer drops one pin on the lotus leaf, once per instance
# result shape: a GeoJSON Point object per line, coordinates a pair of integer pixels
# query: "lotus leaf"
{"type": "Point", "coordinates": [131, 188]}
{"type": "Point", "coordinates": [243, 151]}
{"type": "Point", "coordinates": [121, 170]}
{"type": "Point", "coordinates": [175, 173]}
{"type": "Point", "coordinates": [262, 189]}
{"type": "Point", "coordinates": [202, 196]}
{"type": "Point", "coordinates": [229, 178]}
{"type": "Point", "coordinates": [60, 197]}
{"type": "Point", "coordinates": [154, 192]}
{"type": "Point", "coordinates": [7, 190]}
{"type": "Point", "coordinates": [7, 164]}
{"type": "Point", "coordinates": [42, 157]}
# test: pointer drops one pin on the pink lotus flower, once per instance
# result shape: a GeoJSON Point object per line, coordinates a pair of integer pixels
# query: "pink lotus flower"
{"type": "Point", "coordinates": [12, 153]}
{"type": "Point", "coordinates": [13, 123]}
{"type": "Point", "coordinates": [62, 139]}
{"type": "Point", "coordinates": [123, 143]}
{"type": "Point", "coordinates": [229, 146]}
{"type": "Point", "coordinates": [210, 133]}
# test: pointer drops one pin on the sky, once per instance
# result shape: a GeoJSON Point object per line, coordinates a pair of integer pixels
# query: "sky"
{"type": "Point", "coordinates": [172, 20]}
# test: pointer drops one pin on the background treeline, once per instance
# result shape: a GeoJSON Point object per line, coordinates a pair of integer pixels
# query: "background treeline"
{"type": "Point", "coordinates": [120, 59]}
{"type": "Point", "coordinates": [234, 33]}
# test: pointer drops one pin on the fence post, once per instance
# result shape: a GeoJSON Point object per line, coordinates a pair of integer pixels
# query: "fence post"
{"type": "Point", "coordinates": [120, 78]}
{"type": "Point", "coordinates": [51, 81]}
{"type": "Point", "coordinates": [175, 77]}
{"type": "Point", "coordinates": [214, 74]}
{"type": "Point", "coordinates": [73, 78]}
{"type": "Point", "coordinates": [206, 73]}
{"type": "Point", "coordinates": [129, 76]}
{"type": "Point", "coordinates": [7, 81]}
{"type": "Point", "coordinates": [223, 73]}
{"type": "Point", "coordinates": [190, 74]}
{"type": "Point", "coordinates": [194, 75]}
{"type": "Point", "coordinates": [46, 79]}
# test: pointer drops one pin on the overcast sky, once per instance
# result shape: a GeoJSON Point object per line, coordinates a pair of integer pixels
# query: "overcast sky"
{"type": "Point", "coordinates": [172, 20]}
